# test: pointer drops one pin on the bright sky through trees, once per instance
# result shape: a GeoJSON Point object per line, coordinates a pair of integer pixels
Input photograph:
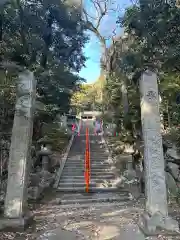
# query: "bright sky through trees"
{"type": "Point", "coordinates": [93, 50]}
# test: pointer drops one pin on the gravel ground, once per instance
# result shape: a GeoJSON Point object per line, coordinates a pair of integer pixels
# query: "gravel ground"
{"type": "Point", "coordinates": [87, 223]}
{"type": "Point", "coordinates": [91, 223]}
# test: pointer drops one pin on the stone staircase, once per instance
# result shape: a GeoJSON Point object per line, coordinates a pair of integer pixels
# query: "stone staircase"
{"type": "Point", "coordinates": [101, 190]}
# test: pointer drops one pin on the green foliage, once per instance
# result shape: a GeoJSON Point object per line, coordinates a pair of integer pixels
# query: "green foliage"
{"type": "Point", "coordinates": [151, 40]}
{"type": "Point", "coordinates": [155, 29]}
{"type": "Point", "coordinates": [55, 136]}
{"type": "Point", "coordinates": [7, 100]}
{"type": "Point", "coordinates": [46, 37]}
{"type": "Point", "coordinates": [88, 97]}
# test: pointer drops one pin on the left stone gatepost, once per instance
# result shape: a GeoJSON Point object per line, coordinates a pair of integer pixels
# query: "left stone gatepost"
{"type": "Point", "coordinates": [16, 213]}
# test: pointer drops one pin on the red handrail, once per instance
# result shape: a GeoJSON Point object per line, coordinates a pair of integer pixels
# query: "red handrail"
{"type": "Point", "coordinates": [87, 161]}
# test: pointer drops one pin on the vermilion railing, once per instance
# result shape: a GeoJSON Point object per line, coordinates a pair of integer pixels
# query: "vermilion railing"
{"type": "Point", "coordinates": [87, 161]}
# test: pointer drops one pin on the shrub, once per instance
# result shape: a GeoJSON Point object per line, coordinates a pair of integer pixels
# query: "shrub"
{"type": "Point", "coordinates": [57, 136]}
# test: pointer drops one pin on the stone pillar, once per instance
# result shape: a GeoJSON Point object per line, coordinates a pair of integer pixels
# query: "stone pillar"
{"type": "Point", "coordinates": [19, 158]}
{"type": "Point", "coordinates": [155, 181]}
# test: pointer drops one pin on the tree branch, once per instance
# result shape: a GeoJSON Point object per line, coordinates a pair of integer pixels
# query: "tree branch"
{"type": "Point", "coordinates": [101, 12]}
{"type": "Point", "coordinates": [97, 33]}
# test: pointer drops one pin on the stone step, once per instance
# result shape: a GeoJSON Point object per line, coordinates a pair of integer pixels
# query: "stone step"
{"type": "Point", "coordinates": [101, 164]}
{"type": "Point", "coordinates": [75, 207]}
{"type": "Point", "coordinates": [79, 175]}
{"type": "Point", "coordinates": [92, 170]}
{"type": "Point", "coordinates": [101, 173]}
{"type": "Point", "coordinates": [75, 161]}
{"type": "Point", "coordinates": [98, 182]}
{"type": "Point", "coordinates": [74, 166]}
{"type": "Point", "coordinates": [83, 184]}
{"type": "Point", "coordinates": [93, 163]}
{"type": "Point", "coordinates": [97, 148]}
{"type": "Point", "coordinates": [123, 198]}
{"type": "Point", "coordinates": [105, 163]}
{"type": "Point", "coordinates": [94, 195]}
{"type": "Point", "coordinates": [70, 170]}
{"type": "Point", "coordinates": [97, 161]}
{"type": "Point", "coordinates": [75, 177]}
{"type": "Point", "coordinates": [95, 205]}
{"type": "Point", "coordinates": [75, 184]}
{"type": "Point", "coordinates": [80, 150]}
{"type": "Point", "coordinates": [70, 180]}
{"type": "Point", "coordinates": [91, 189]}
{"type": "Point", "coordinates": [76, 156]}
{"type": "Point", "coordinates": [106, 175]}
{"type": "Point", "coordinates": [98, 153]}
{"type": "Point", "coordinates": [96, 157]}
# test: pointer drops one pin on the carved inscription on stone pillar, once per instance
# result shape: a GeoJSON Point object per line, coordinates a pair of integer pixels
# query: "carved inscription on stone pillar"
{"type": "Point", "coordinates": [19, 158]}
{"type": "Point", "coordinates": [153, 152]}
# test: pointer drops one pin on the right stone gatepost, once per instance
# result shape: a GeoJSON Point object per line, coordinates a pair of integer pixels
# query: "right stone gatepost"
{"type": "Point", "coordinates": [156, 212]}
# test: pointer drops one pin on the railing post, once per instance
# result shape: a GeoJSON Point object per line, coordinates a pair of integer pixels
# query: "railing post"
{"type": "Point", "coordinates": [89, 166]}
{"type": "Point", "coordinates": [87, 161]}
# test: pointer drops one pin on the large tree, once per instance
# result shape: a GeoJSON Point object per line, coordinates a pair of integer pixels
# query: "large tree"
{"type": "Point", "coordinates": [152, 41]}
{"type": "Point", "coordinates": [48, 38]}
{"type": "Point", "coordinates": [96, 15]}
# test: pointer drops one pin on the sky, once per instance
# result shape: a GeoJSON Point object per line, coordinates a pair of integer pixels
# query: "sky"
{"type": "Point", "coordinates": [93, 52]}
{"type": "Point", "coordinates": [92, 49]}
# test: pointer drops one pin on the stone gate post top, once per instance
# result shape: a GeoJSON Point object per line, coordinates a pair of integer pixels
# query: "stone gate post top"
{"type": "Point", "coordinates": [26, 82]}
